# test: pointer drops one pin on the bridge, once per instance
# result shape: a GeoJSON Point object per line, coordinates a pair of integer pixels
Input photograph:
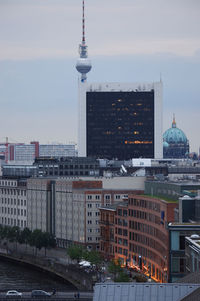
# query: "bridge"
{"type": "Point", "coordinates": [67, 272]}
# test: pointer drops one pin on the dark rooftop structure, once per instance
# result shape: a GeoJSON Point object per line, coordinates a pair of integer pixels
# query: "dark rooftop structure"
{"type": "Point", "coordinates": [144, 291]}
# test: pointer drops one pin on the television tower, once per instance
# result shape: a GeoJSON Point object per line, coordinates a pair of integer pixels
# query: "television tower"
{"type": "Point", "coordinates": [83, 64]}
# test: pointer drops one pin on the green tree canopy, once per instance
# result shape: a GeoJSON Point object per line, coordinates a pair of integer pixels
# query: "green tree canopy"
{"type": "Point", "coordinates": [76, 252]}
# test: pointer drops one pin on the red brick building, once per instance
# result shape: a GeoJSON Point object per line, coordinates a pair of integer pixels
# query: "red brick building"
{"type": "Point", "coordinates": [141, 239]}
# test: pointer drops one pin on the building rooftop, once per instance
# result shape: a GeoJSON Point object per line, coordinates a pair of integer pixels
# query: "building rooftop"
{"type": "Point", "coordinates": [113, 207]}
{"type": "Point", "coordinates": [166, 199]}
{"type": "Point", "coordinates": [177, 182]}
{"type": "Point", "coordinates": [143, 291]}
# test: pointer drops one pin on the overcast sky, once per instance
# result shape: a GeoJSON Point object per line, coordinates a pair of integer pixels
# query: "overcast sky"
{"type": "Point", "coordinates": [128, 41]}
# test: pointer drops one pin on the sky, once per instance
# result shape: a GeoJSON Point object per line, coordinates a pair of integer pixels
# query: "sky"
{"type": "Point", "coordinates": [128, 41]}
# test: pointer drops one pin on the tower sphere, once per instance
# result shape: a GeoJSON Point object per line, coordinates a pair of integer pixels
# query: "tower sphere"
{"type": "Point", "coordinates": [83, 65]}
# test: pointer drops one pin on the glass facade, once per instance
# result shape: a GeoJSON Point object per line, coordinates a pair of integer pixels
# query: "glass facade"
{"type": "Point", "coordinates": [120, 124]}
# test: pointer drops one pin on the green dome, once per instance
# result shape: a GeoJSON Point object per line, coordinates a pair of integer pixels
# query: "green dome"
{"type": "Point", "coordinates": [174, 135]}
{"type": "Point", "coordinates": [165, 144]}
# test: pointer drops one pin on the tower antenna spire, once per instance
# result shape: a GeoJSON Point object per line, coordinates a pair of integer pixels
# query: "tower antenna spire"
{"type": "Point", "coordinates": [83, 23]}
{"type": "Point", "coordinates": [83, 64]}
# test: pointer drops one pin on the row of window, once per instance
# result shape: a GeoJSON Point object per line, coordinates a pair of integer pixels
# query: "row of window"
{"type": "Point", "coordinates": [121, 231]}
{"type": "Point", "coordinates": [13, 222]}
{"type": "Point", "coordinates": [81, 166]}
{"type": "Point", "coordinates": [93, 230]}
{"type": "Point", "coordinates": [92, 205]}
{"type": "Point", "coordinates": [13, 201]}
{"type": "Point", "coordinates": [97, 197]}
{"type": "Point", "coordinates": [90, 222]}
{"type": "Point", "coordinates": [146, 228]}
{"type": "Point", "coordinates": [145, 204]}
{"type": "Point", "coordinates": [13, 211]}
{"type": "Point", "coordinates": [93, 213]}
{"type": "Point", "coordinates": [146, 216]}
{"type": "Point", "coordinates": [147, 253]}
{"type": "Point", "coordinates": [121, 241]}
{"type": "Point", "coordinates": [147, 241]}
{"type": "Point", "coordinates": [92, 238]}
{"type": "Point", "coordinates": [122, 251]}
{"type": "Point", "coordinates": [122, 212]}
{"type": "Point", "coordinates": [121, 222]}
{"type": "Point", "coordinates": [12, 191]}
{"type": "Point", "coordinates": [106, 197]}
{"type": "Point", "coordinates": [8, 183]}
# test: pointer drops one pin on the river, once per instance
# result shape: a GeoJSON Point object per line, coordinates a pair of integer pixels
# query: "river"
{"type": "Point", "coordinates": [14, 276]}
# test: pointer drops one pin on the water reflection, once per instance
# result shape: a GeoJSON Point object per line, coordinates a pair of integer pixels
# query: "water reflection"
{"type": "Point", "coordinates": [14, 276]}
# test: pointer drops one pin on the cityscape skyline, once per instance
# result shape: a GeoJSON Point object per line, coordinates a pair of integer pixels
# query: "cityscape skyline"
{"type": "Point", "coordinates": [38, 79]}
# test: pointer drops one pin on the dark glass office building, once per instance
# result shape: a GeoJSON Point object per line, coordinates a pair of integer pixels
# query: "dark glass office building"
{"type": "Point", "coordinates": [120, 124]}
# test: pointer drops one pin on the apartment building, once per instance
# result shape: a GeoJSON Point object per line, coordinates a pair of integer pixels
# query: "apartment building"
{"type": "Point", "coordinates": [13, 203]}
{"type": "Point", "coordinates": [77, 204]}
{"type": "Point", "coordinates": [135, 231]}
{"type": "Point", "coordinates": [39, 204]}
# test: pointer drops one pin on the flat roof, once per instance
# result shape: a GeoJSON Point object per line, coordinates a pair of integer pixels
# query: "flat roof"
{"type": "Point", "coordinates": [130, 291]}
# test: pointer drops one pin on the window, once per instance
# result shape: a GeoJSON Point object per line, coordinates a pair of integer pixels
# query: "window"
{"type": "Point", "coordinates": [97, 197]}
{"type": "Point", "coordinates": [89, 197]}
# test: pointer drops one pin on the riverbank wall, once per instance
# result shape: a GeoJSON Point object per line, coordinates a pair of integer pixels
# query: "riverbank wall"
{"type": "Point", "coordinates": [52, 266]}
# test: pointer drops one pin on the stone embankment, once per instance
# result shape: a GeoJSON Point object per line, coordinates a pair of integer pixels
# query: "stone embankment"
{"type": "Point", "coordinates": [55, 263]}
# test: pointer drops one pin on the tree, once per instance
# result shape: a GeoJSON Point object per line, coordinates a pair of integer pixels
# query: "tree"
{"type": "Point", "coordinates": [14, 234]}
{"type": "Point", "coordinates": [115, 268]}
{"type": "Point", "coordinates": [25, 236]}
{"type": "Point", "coordinates": [48, 240]}
{"type": "Point", "coordinates": [75, 252]}
{"type": "Point", "coordinates": [93, 257]}
{"type": "Point", "coordinates": [36, 239]}
{"type": "Point", "coordinates": [122, 277]}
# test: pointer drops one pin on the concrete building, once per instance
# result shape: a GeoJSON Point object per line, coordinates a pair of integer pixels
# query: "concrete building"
{"type": "Point", "coordinates": [13, 203]}
{"type": "Point", "coordinates": [192, 253]}
{"type": "Point", "coordinates": [69, 208]}
{"type": "Point", "coordinates": [40, 213]}
{"type": "Point", "coordinates": [57, 150]}
{"type": "Point", "coordinates": [11, 171]}
{"type": "Point", "coordinates": [77, 204]}
{"type": "Point", "coordinates": [177, 256]}
{"type": "Point", "coordinates": [171, 189]}
{"type": "Point", "coordinates": [189, 209]}
{"type": "Point", "coordinates": [21, 152]}
{"type": "Point", "coordinates": [66, 166]}
{"type": "Point", "coordinates": [121, 121]}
